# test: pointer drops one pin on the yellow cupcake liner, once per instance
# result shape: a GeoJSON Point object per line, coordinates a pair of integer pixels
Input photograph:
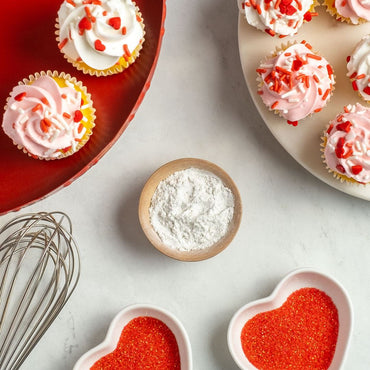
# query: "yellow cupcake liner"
{"type": "Point", "coordinates": [88, 112]}
{"type": "Point", "coordinates": [123, 63]}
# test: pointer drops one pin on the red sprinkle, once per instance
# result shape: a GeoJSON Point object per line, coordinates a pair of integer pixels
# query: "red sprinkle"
{"type": "Point", "coordinates": [84, 24]}
{"type": "Point", "coordinates": [344, 126]}
{"type": "Point", "coordinates": [37, 107]}
{"type": "Point", "coordinates": [124, 30]}
{"type": "Point", "coordinates": [62, 44]}
{"type": "Point", "coordinates": [20, 96]}
{"type": "Point", "coordinates": [99, 45]}
{"type": "Point", "coordinates": [356, 169]}
{"type": "Point", "coordinates": [293, 123]}
{"type": "Point", "coordinates": [145, 343]}
{"type": "Point", "coordinates": [348, 58]}
{"type": "Point", "coordinates": [340, 168]}
{"type": "Point", "coordinates": [78, 116]}
{"type": "Point", "coordinates": [328, 131]}
{"type": "Point", "coordinates": [115, 22]}
{"type": "Point", "coordinates": [367, 90]}
{"type": "Point", "coordinates": [126, 50]}
{"type": "Point", "coordinates": [301, 334]}
{"type": "Point", "coordinates": [270, 31]}
{"type": "Point", "coordinates": [354, 85]}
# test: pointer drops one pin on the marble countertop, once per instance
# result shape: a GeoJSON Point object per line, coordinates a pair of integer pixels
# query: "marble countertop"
{"type": "Point", "coordinates": [199, 106]}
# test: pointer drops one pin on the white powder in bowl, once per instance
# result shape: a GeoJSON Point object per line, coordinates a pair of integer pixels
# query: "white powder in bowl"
{"type": "Point", "coordinates": [191, 209]}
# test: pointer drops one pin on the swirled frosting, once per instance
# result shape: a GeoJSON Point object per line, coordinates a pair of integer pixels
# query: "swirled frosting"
{"type": "Point", "coordinates": [44, 118]}
{"type": "Point", "coordinates": [353, 9]}
{"type": "Point", "coordinates": [358, 65]}
{"type": "Point", "coordinates": [347, 149]}
{"type": "Point", "coordinates": [282, 17]}
{"type": "Point", "coordinates": [99, 33]}
{"type": "Point", "coordinates": [296, 82]}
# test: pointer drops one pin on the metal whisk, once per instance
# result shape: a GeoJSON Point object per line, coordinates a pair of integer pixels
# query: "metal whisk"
{"type": "Point", "coordinates": [39, 269]}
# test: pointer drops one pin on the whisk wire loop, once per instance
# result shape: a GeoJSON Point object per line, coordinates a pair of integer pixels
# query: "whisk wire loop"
{"type": "Point", "coordinates": [39, 270]}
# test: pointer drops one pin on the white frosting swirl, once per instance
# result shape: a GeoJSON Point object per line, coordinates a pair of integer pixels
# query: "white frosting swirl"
{"type": "Point", "coordinates": [359, 67]}
{"type": "Point", "coordinates": [282, 17]}
{"type": "Point", "coordinates": [98, 32]}
{"type": "Point", "coordinates": [347, 149]}
{"type": "Point", "coordinates": [44, 118]}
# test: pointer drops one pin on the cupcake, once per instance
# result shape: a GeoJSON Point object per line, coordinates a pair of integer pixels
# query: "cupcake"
{"type": "Point", "coordinates": [100, 37]}
{"type": "Point", "coordinates": [350, 11]}
{"type": "Point", "coordinates": [346, 145]}
{"type": "Point", "coordinates": [295, 82]}
{"type": "Point", "coordinates": [278, 17]}
{"type": "Point", "coordinates": [49, 115]}
{"type": "Point", "coordinates": [358, 65]}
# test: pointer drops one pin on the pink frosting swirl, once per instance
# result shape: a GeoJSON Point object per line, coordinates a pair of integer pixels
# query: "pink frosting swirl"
{"type": "Point", "coordinates": [353, 9]}
{"type": "Point", "coordinates": [296, 82]}
{"type": "Point", "coordinates": [347, 149]}
{"type": "Point", "coordinates": [44, 118]}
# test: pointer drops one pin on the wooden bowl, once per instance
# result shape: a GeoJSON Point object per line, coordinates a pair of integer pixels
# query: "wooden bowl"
{"type": "Point", "coordinates": [147, 194]}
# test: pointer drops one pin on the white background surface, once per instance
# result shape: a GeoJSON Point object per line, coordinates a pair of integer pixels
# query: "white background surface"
{"type": "Point", "coordinates": [199, 106]}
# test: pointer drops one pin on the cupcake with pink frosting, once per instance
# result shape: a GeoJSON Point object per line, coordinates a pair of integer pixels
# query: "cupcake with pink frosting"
{"type": "Point", "coordinates": [346, 145]}
{"type": "Point", "coordinates": [295, 82]}
{"type": "Point", "coordinates": [358, 65]}
{"type": "Point", "coordinates": [49, 115]}
{"type": "Point", "coordinates": [278, 17]}
{"type": "Point", "coordinates": [350, 11]}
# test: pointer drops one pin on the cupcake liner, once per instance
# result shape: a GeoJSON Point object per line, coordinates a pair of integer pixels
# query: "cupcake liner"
{"type": "Point", "coordinates": [88, 111]}
{"type": "Point", "coordinates": [123, 63]}
{"type": "Point", "coordinates": [332, 10]}
{"type": "Point", "coordinates": [280, 49]}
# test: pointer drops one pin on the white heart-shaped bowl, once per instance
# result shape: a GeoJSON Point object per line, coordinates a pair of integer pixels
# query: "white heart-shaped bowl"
{"type": "Point", "coordinates": [122, 319]}
{"type": "Point", "coordinates": [297, 279]}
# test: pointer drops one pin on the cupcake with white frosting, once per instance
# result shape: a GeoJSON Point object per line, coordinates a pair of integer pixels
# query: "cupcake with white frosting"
{"type": "Point", "coordinates": [358, 65]}
{"type": "Point", "coordinates": [295, 82]}
{"type": "Point", "coordinates": [100, 37]}
{"type": "Point", "coordinates": [278, 17]}
{"type": "Point", "coordinates": [349, 11]}
{"type": "Point", "coordinates": [49, 115]}
{"type": "Point", "coordinates": [346, 145]}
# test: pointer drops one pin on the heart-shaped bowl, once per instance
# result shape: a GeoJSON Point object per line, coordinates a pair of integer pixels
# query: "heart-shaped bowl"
{"type": "Point", "coordinates": [145, 201]}
{"type": "Point", "coordinates": [301, 278]}
{"type": "Point", "coordinates": [122, 319]}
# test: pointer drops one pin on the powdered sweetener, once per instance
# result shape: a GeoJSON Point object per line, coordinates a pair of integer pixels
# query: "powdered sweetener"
{"type": "Point", "coordinates": [191, 209]}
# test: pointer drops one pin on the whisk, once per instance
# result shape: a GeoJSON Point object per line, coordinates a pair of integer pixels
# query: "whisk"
{"type": "Point", "coordinates": [39, 269]}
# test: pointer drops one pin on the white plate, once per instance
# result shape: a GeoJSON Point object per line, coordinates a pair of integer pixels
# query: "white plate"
{"type": "Point", "coordinates": [333, 40]}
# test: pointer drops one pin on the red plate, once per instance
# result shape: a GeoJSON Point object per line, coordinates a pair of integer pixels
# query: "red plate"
{"type": "Point", "coordinates": [29, 46]}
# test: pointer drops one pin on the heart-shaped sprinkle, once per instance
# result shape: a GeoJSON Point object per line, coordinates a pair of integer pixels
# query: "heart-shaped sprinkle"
{"type": "Point", "coordinates": [145, 343]}
{"type": "Point", "coordinates": [78, 116]}
{"type": "Point", "coordinates": [99, 46]}
{"type": "Point", "coordinates": [115, 22]}
{"type": "Point", "coordinates": [84, 24]}
{"type": "Point", "coordinates": [301, 334]}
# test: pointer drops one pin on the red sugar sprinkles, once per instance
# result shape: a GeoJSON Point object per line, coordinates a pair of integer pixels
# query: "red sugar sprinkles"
{"type": "Point", "coordinates": [145, 343]}
{"type": "Point", "coordinates": [301, 334]}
